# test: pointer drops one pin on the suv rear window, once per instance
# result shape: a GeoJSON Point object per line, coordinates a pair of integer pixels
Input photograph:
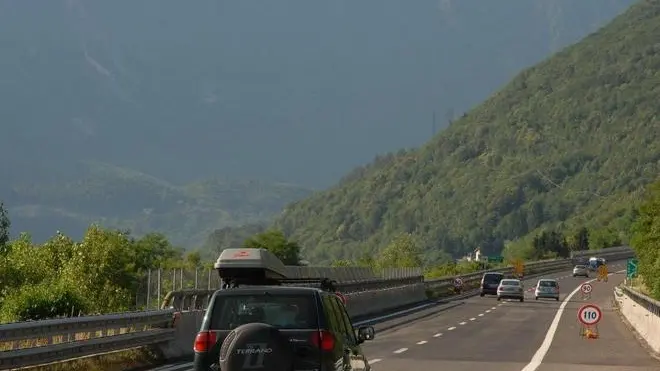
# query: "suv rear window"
{"type": "Point", "coordinates": [493, 277]}
{"type": "Point", "coordinates": [281, 311]}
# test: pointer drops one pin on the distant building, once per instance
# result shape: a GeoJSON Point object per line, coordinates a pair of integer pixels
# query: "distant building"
{"type": "Point", "coordinates": [475, 256]}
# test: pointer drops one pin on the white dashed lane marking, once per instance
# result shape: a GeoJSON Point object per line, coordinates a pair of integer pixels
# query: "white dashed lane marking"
{"type": "Point", "coordinates": [451, 328]}
{"type": "Point", "coordinates": [399, 351]}
{"type": "Point", "coordinates": [422, 342]}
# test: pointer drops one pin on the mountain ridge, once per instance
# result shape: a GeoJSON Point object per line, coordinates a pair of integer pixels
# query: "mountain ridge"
{"type": "Point", "coordinates": [570, 141]}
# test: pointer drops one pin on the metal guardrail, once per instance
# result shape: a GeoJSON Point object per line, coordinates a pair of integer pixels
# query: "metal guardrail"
{"type": "Point", "coordinates": [650, 304]}
{"type": "Point", "coordinates": [25, 344]}
{"type": "Point", "coordinates": [30, 343]}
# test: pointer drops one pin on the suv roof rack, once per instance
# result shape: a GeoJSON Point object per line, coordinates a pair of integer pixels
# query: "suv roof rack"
{"type": "Point", "coordinates": [259, 267]}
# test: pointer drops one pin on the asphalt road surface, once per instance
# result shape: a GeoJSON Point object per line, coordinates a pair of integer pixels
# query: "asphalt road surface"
{"type": "Point", "coordinates": [542, 335]}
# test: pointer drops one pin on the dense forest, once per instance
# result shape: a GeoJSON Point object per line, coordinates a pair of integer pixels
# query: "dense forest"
{"type": "Point", "coordinates": [568, 143]}
{"type": "Point", "coordinates": [646, 242]}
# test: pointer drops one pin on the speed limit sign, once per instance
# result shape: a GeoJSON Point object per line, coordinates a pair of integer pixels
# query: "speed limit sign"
{"type": "Point", "coordinates": [458, 282]}
{"type": "Point", "coordinates": [586, 288]}
{"type": "Point", "coordinates": [589, 314]}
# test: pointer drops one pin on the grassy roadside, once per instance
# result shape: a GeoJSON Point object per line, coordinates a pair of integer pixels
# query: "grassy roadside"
{"type": "Point", "coordinates": [135, 359]}
{"type": "Point", "coordinates": [638, 285]}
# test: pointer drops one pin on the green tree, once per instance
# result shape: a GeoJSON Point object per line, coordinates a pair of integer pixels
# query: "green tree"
{"type": "Point", "coordinates": [582, 239]}
{"type": "Point", "coordinates": [276, 242]}
{"type": "Point", "coordinates": [402, 252]}
{"type": "Point", "coordinates": [5, 225]}
{"type": "Point", "coordinates": [646, 240]}
{"type": "Point", "coordinates": [193, 260]}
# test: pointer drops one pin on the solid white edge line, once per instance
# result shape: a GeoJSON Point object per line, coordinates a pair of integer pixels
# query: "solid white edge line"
{"type": "Point", "coordinates": [537, 359]}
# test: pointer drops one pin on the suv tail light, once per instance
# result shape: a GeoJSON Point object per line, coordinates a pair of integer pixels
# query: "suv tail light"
{"type": "Point", "coordinates": [323, 340]}
{"type": "Point", "coordinates": [204, 341]}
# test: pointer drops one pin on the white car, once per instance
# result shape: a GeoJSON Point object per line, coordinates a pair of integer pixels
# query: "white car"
{"type": "Point", "coordinates": [510, 289]}
{"type": "Point", "coordinates": [547, 288]}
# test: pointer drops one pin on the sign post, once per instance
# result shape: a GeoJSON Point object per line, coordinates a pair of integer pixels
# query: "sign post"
{"type": "Point", "coordinates": [458, 285]}
{"type": "Point", "coordinates": [589, 315]}
{"type": "Point", "coordinates": [602, 273]}
{"type": "Point", "coordinates": [585, 290]}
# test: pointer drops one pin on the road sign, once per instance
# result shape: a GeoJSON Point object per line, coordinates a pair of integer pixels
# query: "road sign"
{"type": "Point", "coordinates": [458, 282]}
{"type": "Point", "coordinates": [631, 268]}
{"type": "Point", "coordinates": [589, 314]}
{"type": "Point", "coordinates": [495, 259]}
{"type": "Point", "coordinates": [341, 297]}
{"type": "Point", "coordinates": [586, 288]}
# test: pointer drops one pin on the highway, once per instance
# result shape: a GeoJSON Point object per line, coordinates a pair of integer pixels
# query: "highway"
{"type": "Point", "coordinates": [510, 336]}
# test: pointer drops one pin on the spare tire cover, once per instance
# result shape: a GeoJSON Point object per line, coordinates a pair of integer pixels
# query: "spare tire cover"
{"type": "Point", "coordinates": [256, 346]}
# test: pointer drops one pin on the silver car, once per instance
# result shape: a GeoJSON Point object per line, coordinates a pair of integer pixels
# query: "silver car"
{"type": "Point", "coordinates": [510, 289]}
{"type": "Point", "coordinates": [547, 288]}
{"type": "Point", "coordinates": [581, 270]}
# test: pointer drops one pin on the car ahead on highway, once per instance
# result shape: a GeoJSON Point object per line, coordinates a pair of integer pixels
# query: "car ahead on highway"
{"type": "Point", "coordinates": [266, 325]}
{"type": "Point", "coordinates": [489, 283]}
{"type": "Point", "coordinates": [510, 289]}
{"type": "Point", "coordinates": [547, 288]}
{"type": "Point", "coordinates": [581, 270]}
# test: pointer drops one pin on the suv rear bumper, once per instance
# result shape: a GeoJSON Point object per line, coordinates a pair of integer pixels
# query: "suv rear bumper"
{"type": "Point", "coordinates": [489, 291]}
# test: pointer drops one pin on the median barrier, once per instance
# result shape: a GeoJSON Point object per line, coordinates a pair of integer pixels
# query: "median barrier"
{"type": "Point", "coordinates": [642, 314]}
{"type": "Point", "coordinates": [374, 302]}
{"type": "Point", "coordinates": [173, 330]}
{"type": "Point", "coordinates": [185, 329]}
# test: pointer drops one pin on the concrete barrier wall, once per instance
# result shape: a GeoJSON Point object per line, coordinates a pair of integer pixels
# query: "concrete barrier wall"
{"type": "Point", "coordinates": [374, 302]}
{"type": "Point", "coordinates": [643, 315]}
{"type": "Point", "coordinates": [187, 325]}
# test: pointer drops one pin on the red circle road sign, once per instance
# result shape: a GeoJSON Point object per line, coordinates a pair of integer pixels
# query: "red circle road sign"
{"type": "Point", "coordinates": [586, 288]}
{"type": "Point", "coordinates": [589, 314]}
{"type": "Point", "coordinates": [341, 297]}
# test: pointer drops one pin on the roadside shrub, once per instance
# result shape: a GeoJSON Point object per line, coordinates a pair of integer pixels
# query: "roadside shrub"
{"type": "Point", "coordinates": [42, 301]}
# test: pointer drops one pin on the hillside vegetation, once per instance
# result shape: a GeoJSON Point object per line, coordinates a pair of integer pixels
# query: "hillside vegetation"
{"type": "Point", "coordinates": [570, 142]}
{"type": "Point", "coordinates": [117, 197]}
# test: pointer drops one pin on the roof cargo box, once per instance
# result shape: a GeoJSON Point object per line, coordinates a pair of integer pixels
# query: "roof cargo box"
{"type": "Point", "coordinates": [250, 266]}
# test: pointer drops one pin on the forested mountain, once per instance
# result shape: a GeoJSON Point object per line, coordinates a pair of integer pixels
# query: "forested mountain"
{"type": "Point", "coordinates": [143, 203]}
{"type": "Point", "coordinates": [571, 141]}
{"type": "Point", "coordinates": [295, 91]}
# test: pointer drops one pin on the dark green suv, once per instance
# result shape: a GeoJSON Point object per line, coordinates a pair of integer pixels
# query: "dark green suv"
{"type": "Point", "coordinates": [257, 322]}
